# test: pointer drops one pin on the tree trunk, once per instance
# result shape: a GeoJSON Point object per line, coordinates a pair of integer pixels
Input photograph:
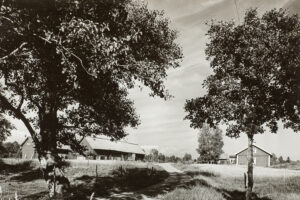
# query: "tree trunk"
{"type": "Point", "coordinates": [250, 168]}
{"type": "Point", "coordinates": [51, 163]}
{"type": "Point", "coordinates": [58, 184]}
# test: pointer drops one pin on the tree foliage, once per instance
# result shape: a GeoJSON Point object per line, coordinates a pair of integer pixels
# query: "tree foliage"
{"type": "Point", "coordinates": [5, 128]}
{"type": "Point", "coordinates": [187, 157]}
{"type": "Point", "coordinates": [210, 144]}
{"type": "Point", "coordinates": [66, 66]}
{"type": "Point", "coordinates": [273, 159]}
{"type": "Point", "coordinates": [256, 78]}
{"type": "Point", "coordinates": [280, 160]}
{"type": "Point", "coordinates": [10, 149]}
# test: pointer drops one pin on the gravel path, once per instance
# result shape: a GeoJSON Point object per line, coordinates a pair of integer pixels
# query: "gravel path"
{"type": "Point", "coordinates": [169, 168]}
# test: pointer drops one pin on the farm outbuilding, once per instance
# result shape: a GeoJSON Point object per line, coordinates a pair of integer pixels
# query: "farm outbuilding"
{"type": "Point", "coordinates": [29, 152]}
{"type": "Point", "coordinates": [105, 149]}
{"type": "Point", "coordinates": [260, 157]}
{"type": "Point", "coordinates": [223, 159]}
{"type": "Point", "coordinates": [97, 148]}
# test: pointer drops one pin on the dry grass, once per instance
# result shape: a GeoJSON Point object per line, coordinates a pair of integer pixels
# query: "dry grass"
{"type": "Point", "coordinates": [25, 178]}
{"type": "Point", "coordinates": [228, 181]}
{"type": "Point", "coordinates": [196, 193]}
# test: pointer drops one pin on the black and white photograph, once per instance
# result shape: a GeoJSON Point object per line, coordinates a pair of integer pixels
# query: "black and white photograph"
{"type": "Point", "coordinates": [149, 99]}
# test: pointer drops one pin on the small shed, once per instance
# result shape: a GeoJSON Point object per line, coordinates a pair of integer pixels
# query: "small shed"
{"type": "Point", "coordinates": [260, 157]}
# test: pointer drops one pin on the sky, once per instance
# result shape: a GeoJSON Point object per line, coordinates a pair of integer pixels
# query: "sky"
{"type": "Point", "coordinates": [162, 125]}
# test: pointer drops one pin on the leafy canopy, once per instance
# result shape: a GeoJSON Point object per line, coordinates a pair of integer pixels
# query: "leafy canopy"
{"type": "Point", "coordinates": [256, 79]}
{"type": "Point", "coordinates": [66, 66]}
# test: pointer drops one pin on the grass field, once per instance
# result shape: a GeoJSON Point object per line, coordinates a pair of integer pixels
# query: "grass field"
{"type": "Point", "coordinates": [225, 182]}
{"type": "Point", "coordinates": [103, 178]}
{"type": "Point", "coordinates": [138, 180]}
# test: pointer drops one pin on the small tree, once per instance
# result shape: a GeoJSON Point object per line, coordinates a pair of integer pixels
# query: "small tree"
{"type": "Point", "coordinates": [161, 157]}
{"type": "Point", "coordinates": [256, 79]}
{"type": "Point", "coordinates": [210, 144]}
{"type": "Point", "coordinates": [153, 156]}
{"type": "Point", "coordinates": [187, 157]}
{"type": "Point", "coordinates": [288, 160]}
{"type": "Point", "coordinates": [172, 159]}
{"type": "Point", "coordinates": [280, 160]}
{"type": "Point", "coordinates": [273, 159]}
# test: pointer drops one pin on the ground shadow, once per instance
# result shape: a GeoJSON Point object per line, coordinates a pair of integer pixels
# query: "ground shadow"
{"type": "Point", "coordinates": [120, 181]}
{"type": "Point", "coordinates": [28, 175]}
{"type": "Point", "coordinates": [201, 173]}
{"type": "Point", "coordinates": [14, 168]}
{"type": "Point", "coordinates": [238, 195]}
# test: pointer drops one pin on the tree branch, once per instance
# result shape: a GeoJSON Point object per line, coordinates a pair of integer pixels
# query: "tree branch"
{"type": "Point", "coordinates": [18, 114]}
{"type": "Point", "coordinates": [14, 51]}
{"type": "Point", "coordinates": [79, 59]}
{"type": "Point", "coordinates": [21, 102]}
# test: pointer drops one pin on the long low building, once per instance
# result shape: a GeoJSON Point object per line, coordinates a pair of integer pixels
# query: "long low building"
{"type": "Point", "coordinates": [97, 148]}
{"type": "Point", "coordinates": [105, 149]}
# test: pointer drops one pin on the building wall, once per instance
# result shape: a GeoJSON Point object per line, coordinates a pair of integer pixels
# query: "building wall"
{"type": "Point", "coordinates": [110, 154]}
{"type": "Point", "coordinates": [260, 157]}
{"type": "Point", "coordinates": [28, 151]}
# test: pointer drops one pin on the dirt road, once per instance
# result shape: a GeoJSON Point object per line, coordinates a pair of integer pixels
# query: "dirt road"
{"type": "Point", "coordinates": [169, 168]}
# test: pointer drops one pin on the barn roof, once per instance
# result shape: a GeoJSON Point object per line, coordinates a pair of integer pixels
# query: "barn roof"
{"type": "Point", "coordinates": [107, 144]}
{"type": "Point", "coordinates": [62, 147]}
{"type": "Point", "coordinates": [256, 147]}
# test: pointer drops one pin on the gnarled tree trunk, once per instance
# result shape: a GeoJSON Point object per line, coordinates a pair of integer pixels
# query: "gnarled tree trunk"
{"type": "Point", "coordinates": [51, 166]}
{"type": "Point", "coordinates": [250, 168]}
{"type": "Point", "coordinates": [51, 163]}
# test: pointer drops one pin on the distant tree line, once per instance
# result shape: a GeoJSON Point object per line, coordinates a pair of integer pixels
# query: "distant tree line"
{"type": "Point", "coordinates": [156, 156]}
{"type": "Point", "coordinates": [9, 150]}
{"type": "Point", "coordinates": [279, 160]}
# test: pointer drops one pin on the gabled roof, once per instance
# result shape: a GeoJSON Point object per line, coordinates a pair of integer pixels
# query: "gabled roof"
{"type": "Point", "coordinates": [62, 147]}
{"type": "Point", "coordinates": [256, 147]}
{"type": "Point", "coordinates": [24, 141]}
{"type": "Point", "coordinates": [106, 144]}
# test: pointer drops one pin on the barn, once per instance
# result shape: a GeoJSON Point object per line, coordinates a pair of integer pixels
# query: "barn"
{"type": "Point", "coordinates": [29, 152]}
{"type": "Point", "coordinates": [97, 148]}
{"type": "Point", "coordinates": [105, 149]}
{"type": "Point", "coordinates": [260, 157]}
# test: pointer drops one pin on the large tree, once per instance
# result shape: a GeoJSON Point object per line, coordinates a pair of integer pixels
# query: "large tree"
{"type": "Point", "coordinates": [66, 67]}
{"type": "Point", "coordinates": [256, 78]}
{"type": "Point", "coordinates": [210, 144]}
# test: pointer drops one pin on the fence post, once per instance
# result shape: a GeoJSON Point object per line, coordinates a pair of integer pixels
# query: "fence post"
{"type": "Point", "coordinates": [96, 171]}
{"type": "Point", "coordinates": [245, 180]}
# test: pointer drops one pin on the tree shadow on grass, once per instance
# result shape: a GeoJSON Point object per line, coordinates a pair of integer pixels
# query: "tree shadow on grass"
{"type": "Point", "coordinates": [29, 175]}
{"type": "Point", "coordinates": [121, 181]}
{"type": "Point", "coordinates": [18, 167]}
{"type": "Point", "coordinates": [201, 173]}
{"type": "Point", "coordinates": [238, 195]}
